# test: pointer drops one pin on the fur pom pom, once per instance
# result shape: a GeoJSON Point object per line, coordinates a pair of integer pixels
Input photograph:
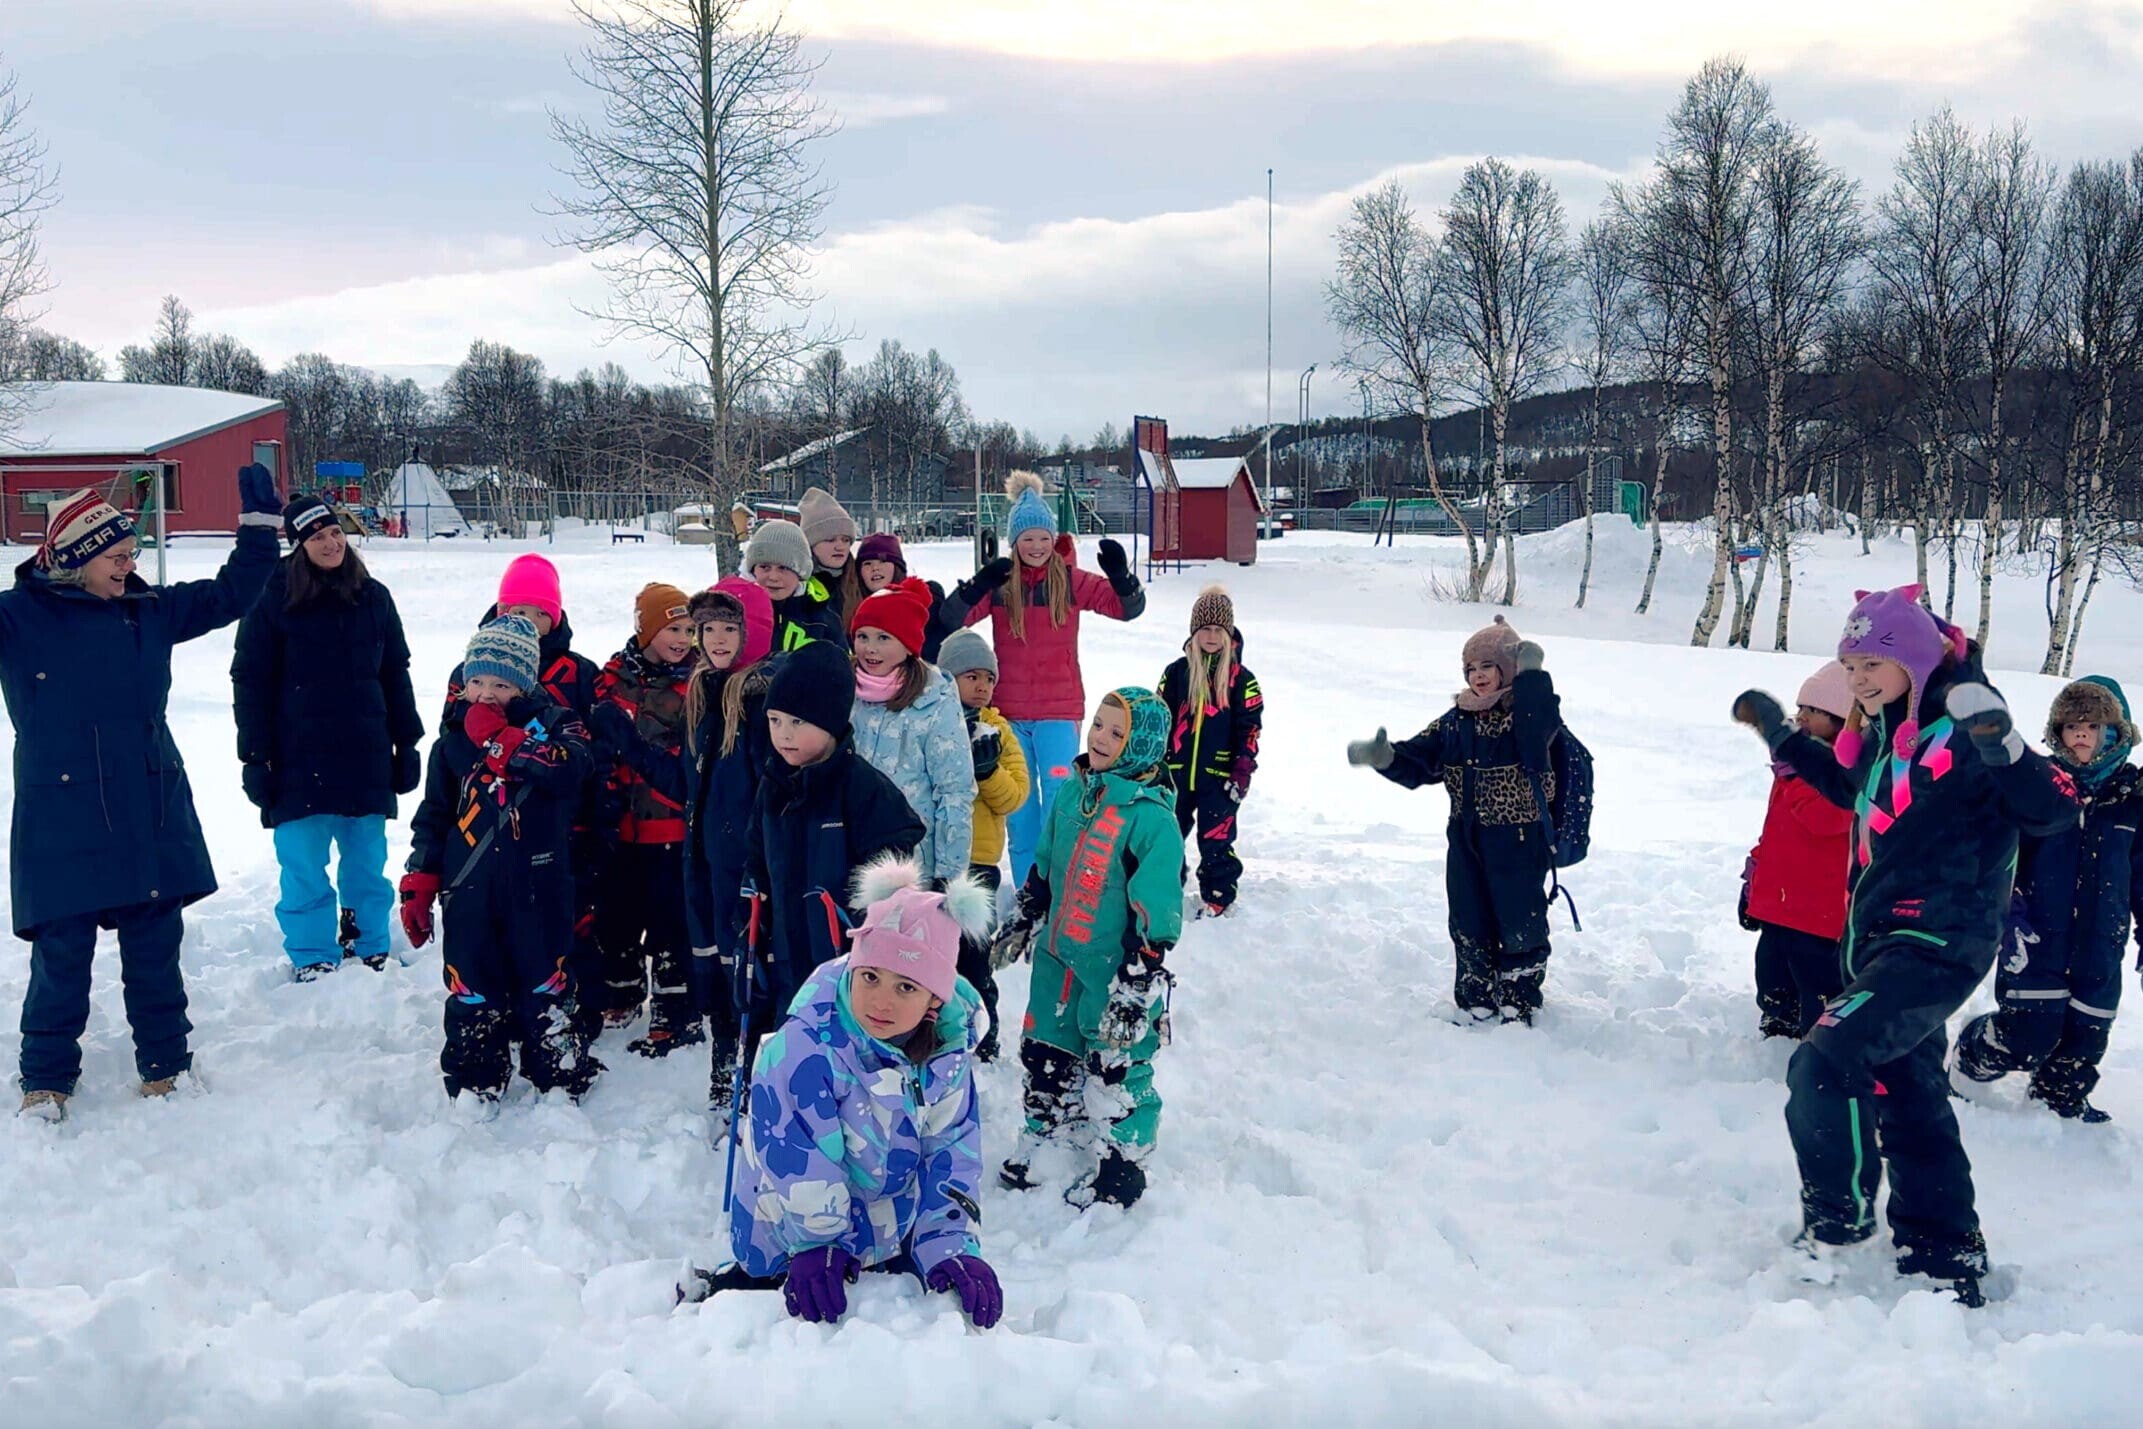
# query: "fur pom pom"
{"type": "Point", "coordinates": [883, 877]}
{"type": "Point", "coordinates": [1022, 481]}
{"type": "Point", "coordinates": [972, 904]}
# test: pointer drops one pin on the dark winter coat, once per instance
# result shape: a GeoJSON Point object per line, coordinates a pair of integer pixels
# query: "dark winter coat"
{"type": "Point", "coordinates": [812, 612]}
{"type": "Point", "coordinates": [1212, 745]}
{"type": "Point", "coordinates": [1935, 841]}
{"type": "Point", "coordinates": [1488, 761]}
{"type": "Point", "coordinates": [322, 699]}
{"type": "Point", "coordinates": [650, 805]}
{"type": "Point", "coordinates": [530, 805]}
{"type": "Point", "coordinates": [2080, 890]}
{"type": "Point", "coordinates": [812, 828]}
{"type": "Point", "coordinates": [721, 793]}
{"type": "Point", "coordinates": [1797, 871]}
{"type": "Point", "coordinates": [104, 814]}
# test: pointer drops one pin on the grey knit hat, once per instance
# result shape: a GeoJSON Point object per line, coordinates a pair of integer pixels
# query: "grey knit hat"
{"type": "Point", "coordinates": [779, 543]}
{"type": "Point", "coordinates": [966, 650]}
{"type": "Point", "coordinates": [822, 517]}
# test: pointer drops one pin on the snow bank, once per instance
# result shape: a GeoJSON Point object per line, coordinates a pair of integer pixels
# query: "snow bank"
{"type": "Point", "coordinates": [1360, 1213]}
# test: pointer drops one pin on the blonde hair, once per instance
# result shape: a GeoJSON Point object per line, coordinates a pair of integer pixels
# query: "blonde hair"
{"type": "Point", "coordinates": [1013, 596]}
{"type": "Point", "coordinates": [1211, 676]}
{"type": "Point", "coordinates": [703, 672]}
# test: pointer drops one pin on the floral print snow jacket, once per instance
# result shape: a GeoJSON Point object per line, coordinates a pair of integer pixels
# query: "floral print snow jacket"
{"type": "Point", "coordinates": [850, 1143]}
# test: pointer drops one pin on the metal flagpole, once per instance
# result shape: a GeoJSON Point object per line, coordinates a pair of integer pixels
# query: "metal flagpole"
{"type": "Point", "coordinates": [1268, 354]}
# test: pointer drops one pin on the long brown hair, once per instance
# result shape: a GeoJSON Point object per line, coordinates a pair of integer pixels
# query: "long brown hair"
{"type": "Point", "coordinates": [1013, 596]}
{"type": "Point", "coordinates": [848, 587]}
{"type": "Point", "coordinates": [916, 676]}
{"type": "Point", "coordinates": [307, 582]}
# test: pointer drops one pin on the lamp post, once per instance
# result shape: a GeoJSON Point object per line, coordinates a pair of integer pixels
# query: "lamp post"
{"type": "Point", "coordinates": [1302, 420]}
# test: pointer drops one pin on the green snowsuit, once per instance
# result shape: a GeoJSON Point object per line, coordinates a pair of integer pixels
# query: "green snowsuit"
{"type": "Point", "coordinates": [1113, 857]}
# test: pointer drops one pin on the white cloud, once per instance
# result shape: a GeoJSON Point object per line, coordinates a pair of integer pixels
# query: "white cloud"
{"type": "Point", "coordinates": [864, 110]}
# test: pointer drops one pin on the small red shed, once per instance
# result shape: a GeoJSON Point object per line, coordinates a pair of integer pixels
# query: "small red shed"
{"type": "Point", "coordinates": [1217, 512]}
{"type": "Point", "coordinates": [76, 434]}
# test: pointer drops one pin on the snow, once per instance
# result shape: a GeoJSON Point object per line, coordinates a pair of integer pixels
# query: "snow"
{"type": "Point", "coordinates": [1206, 473]}
{"type": "Point", "coordinates": [118, 418]}
{"type": "Point", "coordinates": [1360, 1213]}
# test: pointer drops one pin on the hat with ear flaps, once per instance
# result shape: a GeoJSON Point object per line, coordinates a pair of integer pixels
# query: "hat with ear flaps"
{"type": "Point", "coordinates": [1892, 625]}
{"type": "Point", "coordinates": [2094, 699]}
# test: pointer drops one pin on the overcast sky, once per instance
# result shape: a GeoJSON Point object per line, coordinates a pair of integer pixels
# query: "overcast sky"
{"type": "Point", "coordinates": [1065, 197]}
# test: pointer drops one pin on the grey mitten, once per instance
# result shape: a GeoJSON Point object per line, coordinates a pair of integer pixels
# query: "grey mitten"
{"type": "Point", "coordinates": [1984, 715]}
{"type": "Point", "coordinates": [1528, 655]}
{"type": "Point", "coordinates": [1373, 753]}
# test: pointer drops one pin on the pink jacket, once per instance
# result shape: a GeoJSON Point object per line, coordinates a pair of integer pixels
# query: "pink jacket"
{"type": "Point", "coordinates": [1038, 677]}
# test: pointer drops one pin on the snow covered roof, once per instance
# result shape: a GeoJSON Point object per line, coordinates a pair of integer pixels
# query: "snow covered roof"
{"type": "Point", "coordinates": [809, 450]}
{"type": "Point", "coordinates": [121, 418]}
{"type": "Point", "coordinates": [1206, 473]}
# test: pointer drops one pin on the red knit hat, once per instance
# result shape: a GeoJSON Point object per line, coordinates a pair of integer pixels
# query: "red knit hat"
{"type": "Point", "coordinates": [900, 610]}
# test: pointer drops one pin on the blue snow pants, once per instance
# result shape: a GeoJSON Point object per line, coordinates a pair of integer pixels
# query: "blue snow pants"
{"type": "Point", "coordinates": [308, 910]}
{"type": "Point", "coordinates": [1050, 746]}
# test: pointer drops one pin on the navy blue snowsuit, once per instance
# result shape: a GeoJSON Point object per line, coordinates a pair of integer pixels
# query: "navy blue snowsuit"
{"type": "Point", "coordinates": [721, 793]}
{"type": "Point", "coordinates": [1934, 859]}
{"type": "Point", "coordinates": [104, 831]}
{"type": "Point", "coordinates": [2059, 979]}
{"type": "Point", "coordinates": [506, 925]}
{"type": "Point", "coordinates": [1495, 875]}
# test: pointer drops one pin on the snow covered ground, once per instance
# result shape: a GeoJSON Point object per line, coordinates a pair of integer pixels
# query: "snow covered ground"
{"type": "Point", "coordinates": [1360, 1213]}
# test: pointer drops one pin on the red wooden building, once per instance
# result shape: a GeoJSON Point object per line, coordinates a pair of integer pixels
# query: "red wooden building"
{"type": "Point", "coordinates": [76, 434]}
{"type": "Point", "coordinates": [1216, 508]}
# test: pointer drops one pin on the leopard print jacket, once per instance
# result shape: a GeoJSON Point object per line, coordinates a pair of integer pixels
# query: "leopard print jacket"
{"type": "Point", "coordinates": [1502, 794]}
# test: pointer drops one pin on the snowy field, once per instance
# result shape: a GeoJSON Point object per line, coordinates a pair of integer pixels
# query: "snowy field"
{"type": "Point", "coordinates": [1360, 1213]}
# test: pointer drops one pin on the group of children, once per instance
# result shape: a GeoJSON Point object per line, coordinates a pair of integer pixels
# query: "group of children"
{"type": "Point", "coordinates": [772, 817]}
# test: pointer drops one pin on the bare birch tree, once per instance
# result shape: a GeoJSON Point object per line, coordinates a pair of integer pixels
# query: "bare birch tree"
{"type": "Point", "coordinates": [1661, 333]}
{"type": "Point", "coordinates": [1383, 299]}
{"type": "Point", "coordinates": [1922, 237]}
{"type": "Point", "coordinates": [2004, 258]}
{"type": "Point", "coordinates": [1504, 297]}
{"type": "Point", "coordinates": [1606, 300]}
{"type": "Point", "coordinates": [1692, 224]}
{"type": "Point", "coordinates": [698, 196]}
{"type": "Point", "coordinates": [28, 187]}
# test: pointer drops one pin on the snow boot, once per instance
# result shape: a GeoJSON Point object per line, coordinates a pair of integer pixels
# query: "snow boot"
{"type": "Point", "coordinates": [1518, 993]}
{"type": "Point", "coordinates": [1815, 1261]}
{"type": "Point", "coordinates": [312, 972]}
{"type": "Point", "coordinates": [664, 1037]}
{"type": "Point", "coordinates": [1116, 1181]}
{"type": "Point", "coordinates": [44, 1106]}
{"type": "Point", "coordinates": [1215, 910]}
{"type": "Point", "coordinates": [618, 1017]}
{"type": "Point", "coordinates": [1978, 1058]}
{"type": "Point", "coordinates": [1961, 1269]}
{"type": "Point", "coordinates": [1017, 1174]}
{"type": "Point", "coordinates": [722, 1085]}
{"type": "Point", "coordinates": [346, 932]}
{"type": "Point", "coordinates": [1772, 1026]}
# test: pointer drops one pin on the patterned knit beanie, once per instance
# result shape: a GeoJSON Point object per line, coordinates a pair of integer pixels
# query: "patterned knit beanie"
{"type": "Point", "coordinates": [80, 529]}
{"type": "Point", "coordinates": [1212, 607]}
{"type": "Point", "coordinates": [1148, 742]}
{"type": "Point", "coordinates": [779, 543]}
{"type": "Point", "coordinates": [507, 649]}
{"type": "Point", "coordinates": [822, 518]}
{"type": "Point", "coordinates": [1029, 509]}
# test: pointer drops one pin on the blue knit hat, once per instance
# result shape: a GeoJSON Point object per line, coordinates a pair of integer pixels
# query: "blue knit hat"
{"type": "Point", "coordinates": [507, 649]}
{"type": "Point", "coordinates": [1148, 743]}
{"type": "Point", "coordinates": [1029, 510]}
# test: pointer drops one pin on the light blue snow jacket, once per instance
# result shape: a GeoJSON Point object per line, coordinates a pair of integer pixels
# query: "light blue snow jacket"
{"type": "Point", "coordinates": [850, 1143]}
{"type": "Point", "coordinates": [924, 750]}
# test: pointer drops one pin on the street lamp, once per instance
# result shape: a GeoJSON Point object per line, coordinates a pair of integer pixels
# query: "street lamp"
{"type": "Point", "coordinates": [1302, 420]}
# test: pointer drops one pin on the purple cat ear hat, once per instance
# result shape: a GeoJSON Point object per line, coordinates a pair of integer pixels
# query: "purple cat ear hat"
{"type": "Point", "coordinates": [1893, 625]}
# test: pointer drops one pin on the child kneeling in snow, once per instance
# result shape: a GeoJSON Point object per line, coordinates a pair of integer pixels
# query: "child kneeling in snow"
{"type": "Point", "coordinates": [1102, 907]}
{"type": "Point", "coordinates": [492, 838]}
{"type": "Point", "coordinates": [1941, 784]}
{"type": "Point", "coordinates": [1793, 895]}
{"type": "Point", "coordinates": [2077, 891]}
{"type": "Point", "coordinates": [864, 1143]}
{"type": "Point", "coordinates": [1490, 752]}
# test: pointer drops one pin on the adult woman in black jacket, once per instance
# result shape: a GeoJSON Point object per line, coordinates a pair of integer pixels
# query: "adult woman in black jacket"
{"type": "Point", "coordinates": [327, 731]}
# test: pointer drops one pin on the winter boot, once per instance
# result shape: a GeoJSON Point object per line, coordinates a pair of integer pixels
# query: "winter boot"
{"type": "Point", "coordinates": [1978, 1058]}
{"type": "Point", "coordinates": [617, 1017]}
{"type": "Point", "coordinates": [1518, 993]}
{"type": "Point", "coordinates": [1017, 1174]}
{"type": "Point", "coordinates": [312, 972]}
{"type": "Point", "coordinates": [670, 1026]}
{"type": "Point", "coordinates": [44, 1106]}
{"type": "Point", "coordinates": [346, 932]}
{"type": "Point", "coordinates": [1775, 1026]}
{"type": "Point", "coordinates": [1116, 1181]}
{"type": "Point", "coordinates": [2064, 1085]}
{"type": "Point", "coordinates": [1815, 1261]}
{"type": "Point", "coordinates": [1962, 1269]}
{"type": "Point", "coordinates": [1215, 910]}
{"type": "Point", "coordinates": [722, 1084]}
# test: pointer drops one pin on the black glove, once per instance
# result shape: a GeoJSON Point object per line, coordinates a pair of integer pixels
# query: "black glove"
{"type": "Point", "coordinates": [408, 770]}
{"type": "Point", "coordinates": [1374, 753]}
{"type": "Point", "coordinates": [1741, 910]}
{"type": "Point", "coordinates": [1116, 566]}
{"type": "Point", "coordinates": [981, 583]}
{"type": "Point", "coordinates": [1015, 941]}
{"type": "Point", "coordinates": [986, 745]}
{"type": "Point", "coordinates": [1984, 714]}
{"type": "Point", "coordinates": [256, 491]}
{"type": "Point", "coordinates": [1765, 715]}
{"type": "Point", "coordinates": [614, 727]}
{"type": "Point", "coordinates": [258, 779]}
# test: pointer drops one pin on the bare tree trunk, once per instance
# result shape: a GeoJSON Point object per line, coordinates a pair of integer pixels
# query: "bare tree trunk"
{"type": "Point", "coordinates": [1722, 501]}
{"type": "Point", "coordinates": [1498, 516]}
{"type": "Point", "coordinates": [1990, 548]}
{"type": "Point", "coordinates": [1584, 577]}
{"type": "Point", "coordinates": [1785, 593]}
{"type": "Point", "coordinates": [1867, 500]}
{"type": "Point", "coordinates": [1651, 570]}
{"type": "Point", "coordinates": [2066, 550]}
{"type": "Point", "coordinates": [2083, 603]}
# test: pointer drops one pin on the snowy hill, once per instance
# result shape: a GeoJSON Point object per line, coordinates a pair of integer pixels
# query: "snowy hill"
{"type": "Point", "coordinates": [1360, 1213]}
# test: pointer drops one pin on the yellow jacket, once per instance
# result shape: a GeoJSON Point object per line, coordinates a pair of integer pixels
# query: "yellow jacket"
{"type": "Point", "coordinates": [1003, 791]}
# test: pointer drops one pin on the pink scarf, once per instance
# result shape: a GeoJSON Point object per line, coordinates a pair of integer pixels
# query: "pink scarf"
{"type": "Point", "coordinates": [1467, 700]}
{"type": "Point", "coordinates": [878, 689]}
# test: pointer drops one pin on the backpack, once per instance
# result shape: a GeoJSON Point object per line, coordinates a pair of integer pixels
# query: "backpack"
{"type": "Point", "coordinates": [1570, 812]}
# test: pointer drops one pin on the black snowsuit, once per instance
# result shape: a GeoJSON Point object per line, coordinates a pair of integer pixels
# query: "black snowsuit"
{"type": "Point", "coordinates": [506, 924]}
{"type": "Point", "coordinates": [1495, 876]}
{"type": "Point", "coordinates": [721, 795]}
{"type": "Point", "coordinates": [1935, 848]}
{"type": "Point", "coordinates": [2059, 979]}
{"type": "Point", "coordinates": [1211, 754]}
{"type": "Point", "coordinates": [568, 679]}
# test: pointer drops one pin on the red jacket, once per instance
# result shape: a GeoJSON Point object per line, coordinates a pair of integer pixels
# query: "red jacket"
{"type": "Point", "coordinates": [1798, 869]}
{"type": "Point", "coordinates": [1038, 677]}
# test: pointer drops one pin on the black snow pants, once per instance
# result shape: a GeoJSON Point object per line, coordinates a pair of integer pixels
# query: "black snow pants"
{"type": "Point", "coordinates": [505, 938]}
{"type": "Point", "coordinates": [2057, 1002]}
{"type": "Point", "coordinates": [974, 964]}
{"type": "Point", "coordinates": [640, 931]}
{"type": "Point", "coordinates": [1213, 812]}
{"type": "Point", "coordinates": [1495, 881]}
{"type": "Point", "coordinates": [1867, 1088]}
{"type": "Point", "coordinates": [1797, 974]}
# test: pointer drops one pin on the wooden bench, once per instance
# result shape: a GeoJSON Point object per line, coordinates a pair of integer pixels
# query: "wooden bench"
{"type": "Point", "coordinates": [617, 536]}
